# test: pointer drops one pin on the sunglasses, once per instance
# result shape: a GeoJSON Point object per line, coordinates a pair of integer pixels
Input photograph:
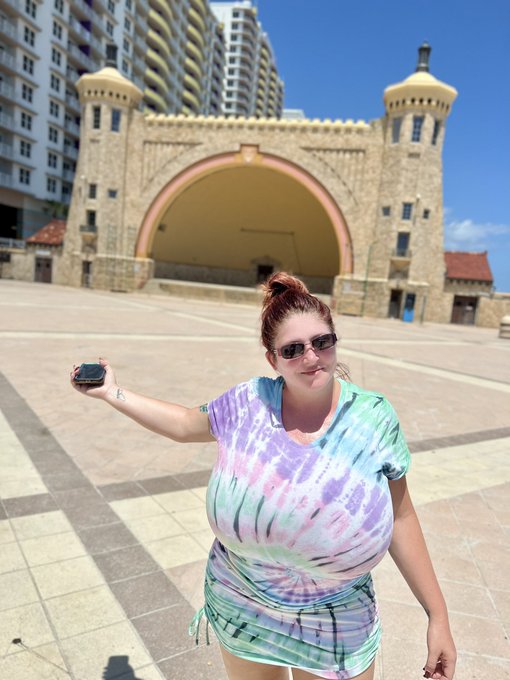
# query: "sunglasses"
{"type": "Point", "coordinates": [297, 349]}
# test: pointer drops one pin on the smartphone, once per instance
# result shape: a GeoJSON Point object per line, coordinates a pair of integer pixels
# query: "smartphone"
{"type": "Point", "coordinates": [90, 374]}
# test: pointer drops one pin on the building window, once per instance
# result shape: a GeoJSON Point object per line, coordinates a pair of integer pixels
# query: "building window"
{"type": "Point", "coordinates": [52, 160]}
{"type": "Point", "coordinates": [25, 148]}
{"type": "Point", "coordinates": [395, 130]}
{"type": "Point", "coordinates": [29, 36]}
{"type": "Point", "coordinates": [407, 211]}
{"type": "Point", "coordinates": [91, 218]}
{"type": "Point", "coordinates": [129, 5]}
{"type": "Point", "coordinates": [53, 134]}
{"type": "Point", "coordinates": [31, 8]}
{"type": "Point", "coordinates": [426, 214]}
{"type": "Point", "coordinates": [111, 6]}
{"type": "Point", "coordinates": [92, 190]}
{"type": "Point", "coordinates": [56, 57]}
{"type": "Point", "coordinates": [28, 64]}
{"type": "Point", "coordinates": [54, 109]}
{"type": "Point", "coordinates": [116, 114]}
{"type": "Point", "coordinates": [417, 126]}
{"type": "Point", "coordinates": [27, 93]}
{"type": "Point", "coordinates": [127, 25]}
{"type": "Point", "coordinates": [436, 131]}
{"type": "Point", "coordinates": [386, 211]}
{"type": "Point", "coordinates": [125, 66]}
{"type": "Point", "coordinates": [96, 117]}
{"type": "Point", "coordinates": [112, 193]}
{"type": "Point", "coordinates": [126, 45]}
{"type": "Point", "coordinates": [26, 121]}
{"type": "Point", "coordinates": [54, 83]}
{"type": "Point", "coordinates": [57, 30]}
{"type": "Point", "coordinates": [403, 243]}
{"type": "Point", "coordinates": [24, 176]}
{"type": "Point", "coordinates": [109, 28]}
{"type": "Point", "coordinates": [59, 6]}
{"type": "Point", "coordinates": [51, 185]}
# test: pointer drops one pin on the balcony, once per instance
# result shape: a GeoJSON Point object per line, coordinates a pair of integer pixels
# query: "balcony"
{"type": "Point", "coordinates": [72, 128]}
{"type": "Point", "coordinates": [8, 61]}
{"type": "Point", "coordinates": [9, 30]}
{"type": "Point", "coordinates": [6, 90]}
{"type": "Point", "coordinates": [156, 20]}
{"type": "Point", "coordinates": [73, 102]}
{"type": "Point", "coordinates": [401, 253]}
{"type": "Point", "coordinates": [71, 152]}
{"type": "Point", "coordinates": [88, 228]}
{"type": "Point", "coordinates": [6, 151]}
{"type": "Point", "coordinates": [6, 121]}
{"type": "Point", "coordinates": [6, 180]}
{"type": "Point", "coordinates": [84, 60]}
{"type": "Point", "coordinates": [68, 175]}
{"type": "Point", "coordinates": [164, 9]}
{"type": "Point", "coordinates": [144, 6]}
{"type": "Point", "coordinates": [83, 9]}
{"type": "Point", "coordinates": [11, 243]}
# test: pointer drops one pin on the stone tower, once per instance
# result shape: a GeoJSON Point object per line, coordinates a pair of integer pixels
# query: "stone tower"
{"type": "Point", "coordinates": [408, 229]}
{"type": "Point", "coordinates": [99, 252]}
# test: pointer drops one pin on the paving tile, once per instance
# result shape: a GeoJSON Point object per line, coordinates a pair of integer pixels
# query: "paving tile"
{"type": "Point", "coordinates": [191, 480]}
{"type": "Point", "coordinates": [468, 599]}
{"type": "Point", "coordinates": [150, 529]}
{"type": "Point", "coordinates": [200, 491]}
{"type": "Point", "coordinates": [11, 558]}
{"type": "Point", "coordinates": [189, 581]}
{"type": "Point", "coordinates": [147, 593]}
{"type": "Point", "coordinates": [3, 514]}
{"type": "Point", "coordinates": [158, 485]}
{"type": "Point", "coordinates": [77, 497]}
{"type": "Point", "coordinates": [171, 552]}
{"type": "Point", "coordinates": [118, 664]}
{"type": "Point", "coordinates": [178, 500]}
{"type": "Point", "coordinates": [393, 662]}
{"type": "Point", "coordinates": [192, 520]}
{"type": "Point", "coordinates": [494, 576]}
{"type": "Point", "coordinates": [471, 667]}
{"type": "Point", "coordinates": [43, 663]}
{"type": "Point", "coordinates": [125, 563]}
{"type": "Point", "coordinates": [73, 575]}
{"type": "Point", "coordinates": [42, 524]}
{"type": "Point", "coordinates": [105, 538]}
{"type": "Point", "coordinates": [88, 654]}
{"type": "Point", "coordinates": [88, 515]}
{"type": "Point", "coordinates": [63, 481]}
{"type": "Point", "coordinates": [135, 508]}
{"type": "Point", "coordinates": [28, 623]}
{"type": "Point", "coordinates": [53, 548]}
{"type": "Point", "coordinates": [6, 533]}
{"type": "Point", "coordinates": [114, 492]}
{"type": "Point", "coordinates": [29, 505]}
{"type": "Point", "coordinates": [97, 608]}
{"type": "Point", "coordinates": [205, 538]}
{"type": "Point", "coordinates": [476, 635]}
{"type": "Point", "coordinates": [16, 589]}
{"type": "Point", "coordinates": [404, 621]}
{"type": "Point", "coordinates": [502, 601]}
{"type": "Point", "coordinates": [154, 630]}
{"type": "Point", "coordinates": [202, 663]}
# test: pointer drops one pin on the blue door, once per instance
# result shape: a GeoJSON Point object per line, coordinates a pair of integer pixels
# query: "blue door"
{"type": "Point", "coordinates": [408, 314]}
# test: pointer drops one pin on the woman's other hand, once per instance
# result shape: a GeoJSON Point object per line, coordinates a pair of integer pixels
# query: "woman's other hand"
{"type": "Point", "coordinates": [442, 654]}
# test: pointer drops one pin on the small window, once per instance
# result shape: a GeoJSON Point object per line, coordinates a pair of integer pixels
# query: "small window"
{"type": "Point", "coordinates": [54, 83]}
{"type": "Point", "coordinates": [407, 211]}
{"type": "Point", "coordinates": [127, 25]}
{"type": "Point", "coordinates": [92, 190]}
{"type": "Point", "coordinates": [56, 57]}
{"type": "Point", "coordinates": [91, 218]}
{"type": "Point", "coordinates": [126, 45]}
{"type": "Point", "coordinates": [51, 185]}
{"type": "Point", "coordinates": [31, 8]}
{"type": "Point", "coordinates": [112, 193]}
{"type": "Point", "coordinates": [116, 115]}
{"type": "Point", "coordinates": [29, 36]}
{"type": "Point", "coordinates": [26, 121]}
{"type": "Point", "coordinates": [57, 30]}
{"type": "Point", "coordinates": [25, 148]}
{"type": "Point", "coordinates": [129, 4]}
{"type": "Point", "coordinates": [402, 243]}
{"type": "Point", "coordinates": [386, 211]}
{"type": "Point", "coordinates": [426, 214]}
{"type": "Point", "coordinates": [395, 130]}
{"type": "Point", "coordinates": [59, 6]}
{"type": "Point", "coordinates": [24, 176]}
{"type": "Point", "coordinates": [417, 126]}
{"type": "Point", "coordinates": [109, 28]}
{"type": "Point", "coordinates": [54, 109]}
{"type": "Point", "coordinates": [52, 160]}
{"type": "Point", "coordinates": [436, 131]}
{"type": "Point", "coordinates": [111, 6]}
{"type": "Point", "coordinates": [28, 64]}
{"type": "Point", "coordinates": [27, 93]}
{"type": "Point", "coordinates": [96, 117]}
{"type": "Point", "coordinates": [53, 134]}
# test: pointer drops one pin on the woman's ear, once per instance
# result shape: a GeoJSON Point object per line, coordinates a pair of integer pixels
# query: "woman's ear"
{"type": "Point", "coordinates": [271, 359]}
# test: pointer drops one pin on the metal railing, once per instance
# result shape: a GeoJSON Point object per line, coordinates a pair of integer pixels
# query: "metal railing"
{"type": "Point", "coordinates": [401, 252]}
{"type": "Point", "coordinates": [13, 243]}
{"type": "Point", "coordinates": [88, 228]}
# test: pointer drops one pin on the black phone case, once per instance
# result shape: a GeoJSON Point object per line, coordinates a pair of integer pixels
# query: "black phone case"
{"type": "Point", "coordinates": [90, 374]}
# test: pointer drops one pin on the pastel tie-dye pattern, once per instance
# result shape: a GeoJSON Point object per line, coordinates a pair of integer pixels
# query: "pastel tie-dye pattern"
{"type": "Point", "coordinates": [299, 527]}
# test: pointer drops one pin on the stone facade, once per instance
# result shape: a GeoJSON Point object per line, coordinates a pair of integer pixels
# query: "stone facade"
{"type": "Point", "coordinates": [370, 194]}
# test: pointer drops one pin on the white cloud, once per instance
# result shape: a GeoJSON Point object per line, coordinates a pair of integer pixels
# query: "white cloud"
{"type": "Point", "coordinates": [466, 234]}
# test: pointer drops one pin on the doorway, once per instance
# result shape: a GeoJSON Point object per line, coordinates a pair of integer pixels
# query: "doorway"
{"type": "Point", "coordinates": [464, 310]}
{"type": "Point", "coordinates": [395, 304]}
{"type": "Point", "coordinates": [43, 269]}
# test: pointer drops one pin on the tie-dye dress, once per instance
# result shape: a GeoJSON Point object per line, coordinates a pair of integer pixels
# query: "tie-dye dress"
{"type": "Point", "coordinates": [298, 529]}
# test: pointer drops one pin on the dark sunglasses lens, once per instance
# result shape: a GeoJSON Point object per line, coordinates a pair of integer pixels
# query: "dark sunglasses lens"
{"type": "Point", "coordinates": [295, 349]}
{"type": "Point", "coordinates": [324, 341]}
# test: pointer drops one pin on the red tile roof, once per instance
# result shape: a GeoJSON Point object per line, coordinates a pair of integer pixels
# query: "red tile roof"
{"type": "Point", "coordinates": [468, 266]}
{"type": "Point", "coordinates": [50, 235]}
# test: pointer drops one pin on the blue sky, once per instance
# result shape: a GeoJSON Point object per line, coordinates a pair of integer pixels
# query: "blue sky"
{"type": "Point", "coordinates": [337, 57]}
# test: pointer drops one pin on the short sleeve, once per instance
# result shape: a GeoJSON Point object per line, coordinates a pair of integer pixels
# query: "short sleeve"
{"type": "Point", "coordinates": [225, 411]}
{"type": "Point", "coordinates": [393, 451]}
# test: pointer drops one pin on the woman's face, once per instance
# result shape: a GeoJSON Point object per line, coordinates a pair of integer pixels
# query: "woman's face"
{"type": "Point", "coordinates": [315, 368]}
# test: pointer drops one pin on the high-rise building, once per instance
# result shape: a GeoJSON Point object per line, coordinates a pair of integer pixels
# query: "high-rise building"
{"type": "Point", "coordinates": [172, 50]}
{"type": "Point", "coordinates": [251, 85]}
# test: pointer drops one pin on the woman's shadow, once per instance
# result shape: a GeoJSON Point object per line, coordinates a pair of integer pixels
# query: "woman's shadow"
{"type": "Point", "coordinates": [118, 668]}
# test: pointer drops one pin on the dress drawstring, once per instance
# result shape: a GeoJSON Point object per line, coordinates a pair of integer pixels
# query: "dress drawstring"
{"type": "Point", "coordinates": [194, 626]}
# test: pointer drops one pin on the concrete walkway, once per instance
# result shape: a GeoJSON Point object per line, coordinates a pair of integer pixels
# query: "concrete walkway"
{"type": "Point", "coordinates": [103, 530]}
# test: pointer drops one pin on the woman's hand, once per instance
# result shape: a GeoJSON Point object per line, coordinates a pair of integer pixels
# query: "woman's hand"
{"type": "Point", "coordinates": [442, 654]}
{"type": "Point", "coordinates": [96, 391]}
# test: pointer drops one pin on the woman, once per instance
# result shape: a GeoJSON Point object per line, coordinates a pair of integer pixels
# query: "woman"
{"type": "Point", "coordinates": [307, 494]}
